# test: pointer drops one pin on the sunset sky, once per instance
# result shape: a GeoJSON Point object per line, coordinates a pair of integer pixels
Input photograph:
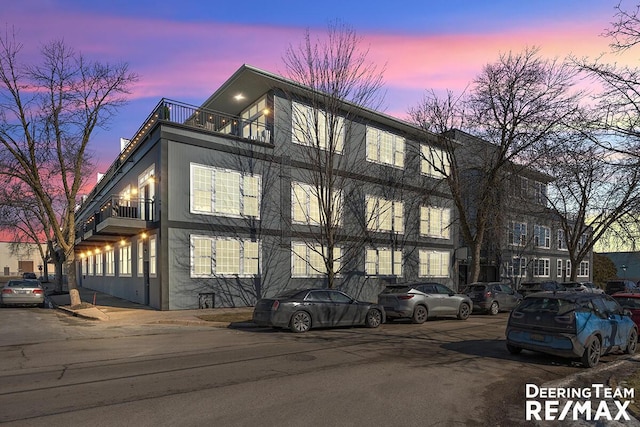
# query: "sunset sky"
{"type": "Point", "coordinates": [184, 50]}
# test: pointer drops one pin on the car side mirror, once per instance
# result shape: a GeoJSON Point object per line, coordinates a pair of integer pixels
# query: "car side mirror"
{"type": "Point", "coordinates": [451, 294]}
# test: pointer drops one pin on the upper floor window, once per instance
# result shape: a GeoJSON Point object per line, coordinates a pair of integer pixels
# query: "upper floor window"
{"type": "Point", "coordinates": [306, 204]}
{"type": "Point", "coordinates": [314, 127]}
{"type": "Point", "coordinates": [540, 193]}
{"type": "Point", "coordinates": [384, 215]}
{"type": "Point", "coordinates": [518, 233]}
{"type": "Point", "coordinates": [435, 222]}
{"type": "Point", "coordinates": [224, 192]}
{"type": "Point", "coordinates": [434, 263]}
{"type": "Point", "coordinates": [434, 162]}
{"type": "Point", "coordinates": [385, 147]}
{"type": "Point", "coordinates": [561, 240]}
{"type": "Point", "coordinates": [541, 236]}
{"type": "Point", "coordinates": [221, 256]}
{"type": "Point", "coordinates": [383, 262]}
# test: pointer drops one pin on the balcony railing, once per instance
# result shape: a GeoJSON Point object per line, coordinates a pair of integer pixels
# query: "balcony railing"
{"type": "Point", "coordinates": [120, 208]}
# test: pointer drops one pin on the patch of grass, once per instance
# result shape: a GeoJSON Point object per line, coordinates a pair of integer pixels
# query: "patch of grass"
{"type": "Point", "coordinates": [227, 317]}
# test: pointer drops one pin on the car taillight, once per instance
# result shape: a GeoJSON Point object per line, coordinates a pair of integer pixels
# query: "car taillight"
{"type": "Point", "coordinates": [405, 296]}
{"type": "Point", "coordinates": [275, 305]}
{"type": "Point", "coordinates": [7, 291]}
{"type": "Point", "coordinates": [487, 294]}
{"type": "Point", "coordinates": [37, 291]}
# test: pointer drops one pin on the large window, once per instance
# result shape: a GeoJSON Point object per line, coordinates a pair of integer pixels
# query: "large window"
{"type": "Point", "coordinates": [124, 260]}
{"type": "Point", "coordinates": [306, 204]}
{"type": "Point", "coordinates": [315, 128]}
{"type": "Point", "coordinates": [219, 256]}
{"type": "Point", "coordinates": [152, 257]}
{"type": "Point", "coordinates": [384, 215]}
{"type": "Point", "coordinates": [90, 266]}
{"type": "Point", "coordinates": [517, 267]}
{"type": "Point", "coordinates": [383, 262]}
{"type": "Point", "coordinates": [434, 263]}
{"type": "Point", "coordinates": [518, 233]}
{"type": "Point", "coordinates": [224, 192]}
{"type": "Point", "coordinates": [99, 264]}
{"type": "Point", "coordinates": [583, 270]}
{"type": "Point", "coordinates": [109, 262]}
{"type": "Point", "coordinates": [435, 222]}
{"type": "Point", "coordinates": [540, 193]}
{"type": "Point", "coordinates": [434, 162]}
{"type": "Point", "coordinates": [541, 236]}
{"type": "Point", "coordinates": [385, 147]}
{"type": "Point", "coordinates": [541, 267]}
{"type": "Point", "coordinates": [561, 241]}
{"type": "Point", "coordinates": [307, 260]}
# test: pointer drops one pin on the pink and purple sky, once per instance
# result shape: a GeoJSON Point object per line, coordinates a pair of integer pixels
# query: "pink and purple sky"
{"type": "Point", "coordinates": [184, 50]}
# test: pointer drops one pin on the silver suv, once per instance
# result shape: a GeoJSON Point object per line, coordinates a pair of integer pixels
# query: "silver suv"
{"type": "Point", "coordinates": [419, 301]}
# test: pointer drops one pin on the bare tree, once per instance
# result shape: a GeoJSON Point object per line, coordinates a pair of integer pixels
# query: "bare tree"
{"type": "Point", "coordinates": [592, 190]}
{"type": "Point", "coordinates": [513, 108]}
{"type": "Point", "coordinates": [47, 116]}
{"type": "Point", "coordinates": [337, 71]}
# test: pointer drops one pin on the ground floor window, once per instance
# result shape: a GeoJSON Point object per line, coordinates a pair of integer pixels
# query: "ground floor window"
{"type": "Point", "coordinates": [307, 259]}
{"type": "Point", "coordinates": [221, 256]}
{"type": "Point", "coordinates": [583, 270]}
{"type": "Point", "coordinates": [109, 262]}
{"type": "Point", "coordinates": [124, 260]}
{"type": "Point", "coordinates": [517, 267]}
{"type": "Point", "coordinates": [434, 263]}
{"type": "Point", "coordinates": [383, 262]}
{"type": "Point", "coordinates": [99, 264]}
{"type": "Point", "coordinates": [152, 257]}
{"type": "Point", "coordinates": [541, 267]}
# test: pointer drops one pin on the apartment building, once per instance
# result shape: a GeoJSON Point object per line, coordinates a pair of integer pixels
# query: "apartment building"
{"type": "Point", "coordinates": [221, 204]}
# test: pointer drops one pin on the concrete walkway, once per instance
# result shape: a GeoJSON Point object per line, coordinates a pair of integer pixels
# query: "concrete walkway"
{"type": "Point", "coordinates": [103, 307]}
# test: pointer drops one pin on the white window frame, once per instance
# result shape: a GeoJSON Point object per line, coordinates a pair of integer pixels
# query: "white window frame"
{"type": "Point", "coordinates": [542, 236]}
{"type": "Point", "coordinates": [385, 148]}
{"type": "Point", "coordinates": [140, 268]}
{"type": "Point", "coordinates": [99, 263]}
{"type": "Point", "coordinates": [520, 238]}
{"type": "Point", "coordinates": [434, 263]}
{"type": "Point", "coordinates": [561, 241]}
{"type": "Point", "coordinates": [393, 212]}
{"type": "Point", "coordinates": [212, 243]}
{"type": "Point", "coordinates": [517, 267]}
{"type": "Point", "coordinates": [124, 260]}
{"type": "Point", "coordinates": [305, 205]}
{"type": "Point", "coordinates": [429, 156]}
{"type": "Point", "coordinates": [583, 270]}
{"type": "Point", "coordinates": [249, 189]}
{"type": "Point", "coordinates": [153, 251]}
{"type": "Point", "coordinates": [307, 260]}
{"type": "Point", "coordinates": [543, 264]}
{"type": "Point", "coordinates": [109, 262]}
{"type": "Point", "coordinates": [303, 118]}
{"type": "Point", "coordinates": [374, 267]}
{"type": "Point", "coordinates": [90, 265]}
{"type": "Point", "coordinates": [435, 222]}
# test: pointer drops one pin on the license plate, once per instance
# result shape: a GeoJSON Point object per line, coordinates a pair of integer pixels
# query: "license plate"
{"type": "Point", "coordinates": [537, 337]}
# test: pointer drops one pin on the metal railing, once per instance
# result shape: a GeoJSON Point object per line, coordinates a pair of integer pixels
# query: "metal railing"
{"type": "Point", "coordinates": [120, 207]}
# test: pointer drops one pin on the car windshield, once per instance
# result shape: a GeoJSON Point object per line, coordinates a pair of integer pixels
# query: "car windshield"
{"type": "Point", "coordinates": [550, 305]}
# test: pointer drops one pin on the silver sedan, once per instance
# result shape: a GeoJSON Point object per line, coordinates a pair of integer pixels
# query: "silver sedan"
{"type": "Point", "coordinates": [22, 292]}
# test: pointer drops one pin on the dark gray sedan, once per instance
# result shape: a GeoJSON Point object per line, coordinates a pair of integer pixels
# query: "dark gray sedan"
{"type": "Point", "coordinates": [303, 309]}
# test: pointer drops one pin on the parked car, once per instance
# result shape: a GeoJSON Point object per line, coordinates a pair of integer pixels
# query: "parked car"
{"type": "Point", "coordinates": [29, 276]}
{"type": "Point", "coordinates": [571, 324]}
{"type": "Point", "coordinates": [303, 309]}
{"type": "Point", "coordinates": [582, 287]}
{"type": "Point", "coordinates": [630, 302]}
{"type": "Point", "coordinates": [419, 301]}
{"type": "Point", "coordinates": [619, 285]}
{"type": "Point", "coordinates": [22, 292]}
{"type": "Point", "coordinates": [492, 297]}
{"type": "Point", "coordinates": [527, 288]}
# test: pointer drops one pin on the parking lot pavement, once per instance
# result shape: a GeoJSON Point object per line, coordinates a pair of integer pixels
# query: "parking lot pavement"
{"type": "Point", "coordinates": [103, 307]}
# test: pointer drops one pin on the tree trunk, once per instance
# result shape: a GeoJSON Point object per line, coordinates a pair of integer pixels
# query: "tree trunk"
{"type": "Point", "coordinates": [475, 263]}
{"type": "Point", "coordinates": [74, 294]}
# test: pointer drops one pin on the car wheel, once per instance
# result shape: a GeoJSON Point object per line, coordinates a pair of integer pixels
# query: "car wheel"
{"type": "Point", "coordinates": [300, 322]}
{"type": "Point", "coordinates": [513, 349]}
{"type": "Point", "coordinates": [373, 319]}
{"type": "Point", "coordinates": [591, 355]}
{"type": "Point", "coordinates": [494, 308]}
{"type": "Point", "coordinates": [632, 344]}
{"type": "Point", "coordinates": [464, 311]}
{"type": "Point", "coordinates": [419, 314]}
